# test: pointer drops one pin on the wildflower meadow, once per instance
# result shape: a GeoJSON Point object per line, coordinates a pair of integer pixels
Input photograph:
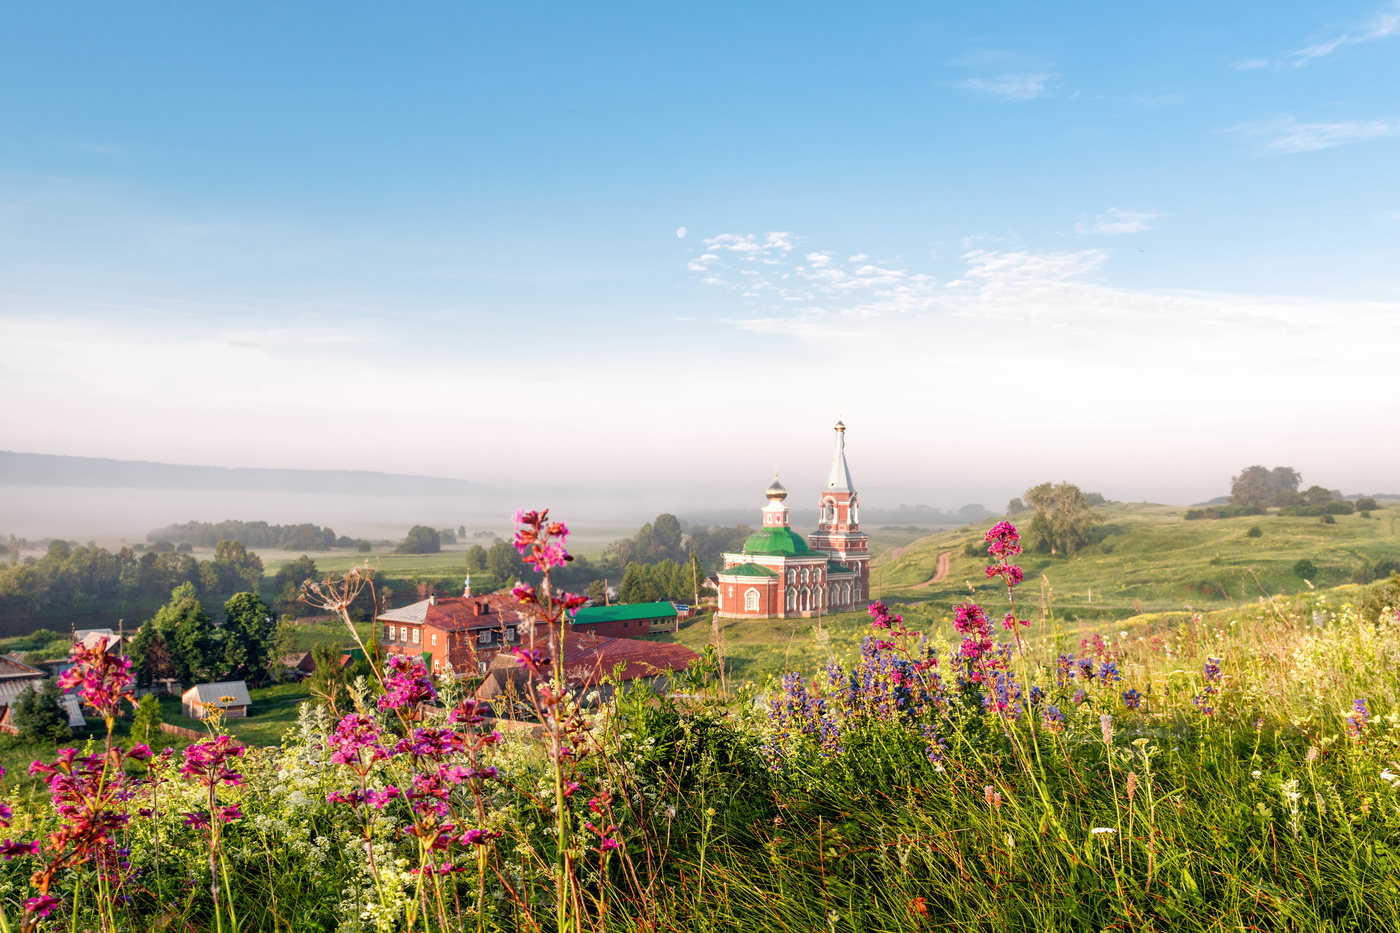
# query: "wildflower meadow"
{"type": "Point", "coordinates": [1233, 772]}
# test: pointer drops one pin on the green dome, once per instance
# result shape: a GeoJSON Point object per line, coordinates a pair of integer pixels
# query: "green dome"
{"type": "Point", "coordinates": [776, 541]}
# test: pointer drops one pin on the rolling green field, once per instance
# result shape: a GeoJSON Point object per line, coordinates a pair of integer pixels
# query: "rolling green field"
{"type": "Point", "coordinates": [1150, 560]}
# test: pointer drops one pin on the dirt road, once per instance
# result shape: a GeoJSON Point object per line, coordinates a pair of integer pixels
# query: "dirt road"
{"type": "Point", "coordinates": [940, 570]}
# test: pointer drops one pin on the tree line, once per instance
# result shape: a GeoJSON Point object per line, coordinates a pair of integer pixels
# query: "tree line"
{"type": "Point", "coordinates": [303, 537]}
{"type": "Point", "coordinates": [69, 580]}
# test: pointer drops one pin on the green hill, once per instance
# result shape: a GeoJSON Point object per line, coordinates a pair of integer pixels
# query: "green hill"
{"type": "Point", "coordinates": [1148, 558]}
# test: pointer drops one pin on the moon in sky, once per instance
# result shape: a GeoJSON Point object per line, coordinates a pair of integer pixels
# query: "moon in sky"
{"type": "Point", "coordinates": [680, 232]}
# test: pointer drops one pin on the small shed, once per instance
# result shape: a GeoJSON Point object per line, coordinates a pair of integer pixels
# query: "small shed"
{"type": "Point", "coordinates": [230, 696]}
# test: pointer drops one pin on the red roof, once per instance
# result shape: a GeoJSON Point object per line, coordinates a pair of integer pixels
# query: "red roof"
{"type": "Point", "coordinates": [459, 613]}
{"type": "Point", "coordinates": [588, 658]}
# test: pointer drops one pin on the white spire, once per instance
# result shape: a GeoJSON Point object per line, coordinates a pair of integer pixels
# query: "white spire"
{"type": "Point", "coordinates": [840, 478]}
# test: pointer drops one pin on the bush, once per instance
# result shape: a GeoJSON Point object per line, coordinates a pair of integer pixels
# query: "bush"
{"type": "Point", "coordinates": [1254, 532]}
{"type": "Point", "coordinates": [39, 714]}
{"type": "Point", "coordinates": [1387, 568]}
{"type": "Point", "coordinates": [362, 546]}
{"type": "Point", "coordinates": [1305, 569]}
{"type": "Point", "coordinates": [1328, 520]}
{"type": "Point", "coordinates": [1366, 504]}
{"type": "Point", "coordinates": [145, 726]}
{"type": "Point", "coordinates": [975, 549]}
{"type": "Point", "coordinates": [1340, 507]}
{"type": "Point", "coordinates": [421, 540]}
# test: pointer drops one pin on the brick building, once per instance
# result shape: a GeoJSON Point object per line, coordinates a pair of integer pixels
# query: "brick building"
{"type": "Point", "coordinates": [631, 620]}
{"type": "Point", "coordinates": [464, 631]}
{"type": "Point", "coordinates": [779, 575]}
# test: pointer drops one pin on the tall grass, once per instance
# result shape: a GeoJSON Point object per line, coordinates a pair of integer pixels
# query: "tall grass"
{"type": "Point", "coordinates": [1245, 791]}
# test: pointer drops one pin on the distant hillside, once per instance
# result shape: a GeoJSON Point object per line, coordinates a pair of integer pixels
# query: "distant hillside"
{"type": "Point", "coordinates": [1148, 558]}
{"type": "Point", "coordinates": [21, 469]}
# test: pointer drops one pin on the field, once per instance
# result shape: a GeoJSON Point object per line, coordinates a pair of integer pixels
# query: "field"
{"type": "Point", "coordinates": [1150, 560]}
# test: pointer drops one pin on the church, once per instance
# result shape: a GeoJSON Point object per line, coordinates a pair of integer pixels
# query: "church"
{"type": "Point", "coordinates": [778, 575]}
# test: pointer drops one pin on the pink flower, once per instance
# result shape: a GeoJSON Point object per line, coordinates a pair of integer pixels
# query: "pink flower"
{"type": "Point", "coordinates": [532, 659]}
{"type": "Point", "coordinates": [101, 679]}
{"type": "Point", "coordinates": [40, 906]}
{"type": "Point", "coordinates": [207, 762]}
{"type": "Point", "coordinates": [1003, 541]}
{"type": "Point", "coordinates": [409, 684]}
{"type": "Point", "coordinates": [9, 849]}
{"type": "Point", "coordinates": [355, 742]}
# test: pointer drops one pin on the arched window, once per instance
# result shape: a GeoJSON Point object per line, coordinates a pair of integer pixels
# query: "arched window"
{"type": "Point", "coordinates": [791, 600]}
{"type": "Point", "coordinates": [855, 592]}
{"type": "Point", "coordinates": [855, 512]}
{"type": "Point", "coordinates": [751, 600]}
{"type": "Point", "coordinates": [792, 576]}
{"type": "Point", "coordinates": [845, 594]}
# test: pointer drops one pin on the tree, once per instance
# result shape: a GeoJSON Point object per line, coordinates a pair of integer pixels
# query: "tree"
{"type": "Point", "coordinates": [1015, 506]}
{"type": "Point", "coordinates": [476, 558]}
{"type": "Point", "coordinates": [504, 563]}
{"type": "Point", "coordinates": [1366, 504]}
{"type": "Point", "coordinates": [447, 536]}
{"type": "Point", "coordinates": [145, 725]}
{"type": "Point", "coordinates": [59, 550]}
{"type": "Point", "coordinates": [235, 568]}
{"type": "Point", "coordinates": [638, 585]}
{"type": "Point", "coordinates": [1252, 487]}
{"type": "Point", "coordinates": [180, 639]}
{"type": "Point", "coordinates": [290, 576]}
{"type": "Point", "coordinates": [329, 675]}
{"type": "Point", "coordinates": [1062, 518]}
{"type": "Point", "coordinates": [1316, 495]}
{"type": "Point", "coordinates": [1305, 569]}
{"type": "Point", "coordinates": [250, 637]}
{"type": "Point", "coordinates": [421, 540]}
{"type": "Point", "coordinates": [1263, 488]}
{"type": "Point", "coordinates": [666, 534]}
{"type": "Point", "coordinates": [362, 546]}
{"type": "Point", "coordinates": [39, 714]}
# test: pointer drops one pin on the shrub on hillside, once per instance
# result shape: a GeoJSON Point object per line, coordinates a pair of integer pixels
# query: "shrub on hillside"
{"type": "Point", "coordinates": [1254, 532]}
{"type": "Point", "coordinates": [1366, 504]}
{"type": "Point", "coordinates": [1328, 520]}
{"type": "Point", "coordinates": [1223, 511]}
{"type": "Point", "coordinates": [1387, 567]}
{"type": "Point", "coordinates": [1340, 507]}
{"type": "Point", "coordinates": [1305, 568]}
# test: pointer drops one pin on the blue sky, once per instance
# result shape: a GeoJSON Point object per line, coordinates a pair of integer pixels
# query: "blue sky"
{"type": "Point", "coordinates": [1134, 246]}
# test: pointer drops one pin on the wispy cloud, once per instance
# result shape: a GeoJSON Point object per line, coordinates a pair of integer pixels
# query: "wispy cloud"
{"type": "Point", "coordinates": [819, 296]}
{"type": "Point", "coordinates": [1287, 135]}
{"type": "Point", "coordinates": [1384, 25]}
{"type": "Point", "coordinates": [1010, 86]}
{"type": "Point", "coordinates": [1114, 221]}
{"type": "Point", "coordinates": [1152, 102]}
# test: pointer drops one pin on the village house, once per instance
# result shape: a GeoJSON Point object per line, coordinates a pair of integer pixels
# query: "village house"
{"type": "Point", "coordinates": [465, 632]}
{"type": "Point", "coordinates": [230, 696]}
{"type": "Point", "coordinates": [625, 621]}
{"type": "Point", "coordinates": [15, 678]}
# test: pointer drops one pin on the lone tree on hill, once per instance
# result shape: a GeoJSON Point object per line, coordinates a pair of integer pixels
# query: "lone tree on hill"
{"type": "Point", "coordinates": [1305, 569]}
{"type": "Point", "coordinates": [39, 713]}
{"type": "Point", "coordinates": [421, 540]}
{"type": "Point", "coordinates": [1262, 487]}
{"type": "Point", "coordinates": [1062, 520]}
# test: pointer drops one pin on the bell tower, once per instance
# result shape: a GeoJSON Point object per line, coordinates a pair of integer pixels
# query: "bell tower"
{"type": "Point", "coordinates": [838, 532]}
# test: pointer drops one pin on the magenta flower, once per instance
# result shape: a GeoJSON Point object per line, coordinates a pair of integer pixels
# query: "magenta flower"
{"type": "Point", "coordinates": [102, 679]}
{"type": "Point", "coordinates": [1003, 541]}
{"type": "Point", "coordinates": [380, 798]}
{"type": "Point", "coordinates": [9, 848]}
{"type": "Point", "coordinates": [207, 762]}
{"type": "Point", "coordinates": [196, 818]}
{"type": "Point", "coordinates": [40, 906]}
{"type": "Point", "coordinates": [408, 682]}
{"type": "Point", "coordinates": [355, 742]}
{"type": "Point", "coordinates": [532, 659]}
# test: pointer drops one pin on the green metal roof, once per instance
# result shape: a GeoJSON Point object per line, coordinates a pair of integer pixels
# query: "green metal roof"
{"type": "Point", "coordinates": [748, 570]}
{"type": "Point", "coordinates": [770, 541]}
{"type": "Point", "coordinates": [833, 567]}
{"type": "Point", "coordinates": [590, 615]}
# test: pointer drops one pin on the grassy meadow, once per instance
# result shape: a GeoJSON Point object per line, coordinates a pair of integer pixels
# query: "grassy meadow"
{"type": "Point", "coordinates": [1147, 559]}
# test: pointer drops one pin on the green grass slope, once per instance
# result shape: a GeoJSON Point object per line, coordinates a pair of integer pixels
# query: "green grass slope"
{"type": "Point", "coordinates": [1149, 559]}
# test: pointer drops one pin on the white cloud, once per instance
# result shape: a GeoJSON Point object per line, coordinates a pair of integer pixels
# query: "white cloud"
{"type": "Point", "coordinates": [1010, 86]}
{"type": "Point", "coordinates": [1287, 135]}
{"type": "Point", "coordinates": [1383, 25]}
{"type": "Point", "coordinates": [1114, 221]}
{"type": "Point", "coordinates": [1059, 289]}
